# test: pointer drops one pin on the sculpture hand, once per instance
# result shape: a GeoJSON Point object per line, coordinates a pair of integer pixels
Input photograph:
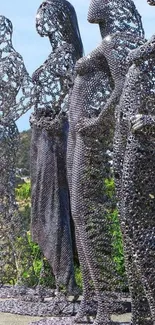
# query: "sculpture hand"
{"type": "Point", "coordinates": [139, 121]}
{"type": "Point", "coordinates": [131, 56]}
{"type": "Point", "coordinates": [86, 126]}
{"type": "Point", "coordinates": [52, 125]}
{"type": "Point", "coordinates": [141, 52]}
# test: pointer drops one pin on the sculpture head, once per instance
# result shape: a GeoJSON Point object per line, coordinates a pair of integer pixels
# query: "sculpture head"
{"type": "Point", "coordinates": [119, 15]}
{"type": "Point", "coordinates": [6, 29]}
{"type": "Point", "coordinates": [151, 2]}
{"type": "Point", "coordinates": [57, 19]}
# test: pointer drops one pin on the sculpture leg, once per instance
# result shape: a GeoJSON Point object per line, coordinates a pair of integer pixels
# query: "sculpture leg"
{"type": "Point", "coordinates": [103, 301]}
{"type": "Point", "coordinates": [10, 221]}
{"type": "Point", "coordinates": [89, 221]}
{"type": "Point", "coordinates": [83, 312]}
{"type": "Point", "coordinates": [70, 158]}
{"type": "Point", "coordinates": [85, 306]}
{"type": "Point", "coordinates": [138, 211]}
{"type": "Point", "coordinates": [139, 302]}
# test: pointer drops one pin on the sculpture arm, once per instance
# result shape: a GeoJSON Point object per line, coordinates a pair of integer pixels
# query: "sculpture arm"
{"type": "Point", "coordinates": [142, 52]}
{"type": "Point", "coordinates": [139, 121]}
{"type": "Point", "coordinates": [106, 117]}
{"type": "Point", "coordinates": [24, 97]}
{"type": "Point", "coordinates": [91, 60]}
{"type": "Point", "coordinates": [53, 126]}
{"type": "Point", "coordinates": [116, 51]}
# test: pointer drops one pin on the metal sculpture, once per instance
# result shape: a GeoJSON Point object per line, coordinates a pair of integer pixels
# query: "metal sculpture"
{"type": "Point", "coordinates": [135, 148]}
{"type": "Point", "coordinates": [14, 80]}
{"type": "Point", "coordinates": [53, 80]}
{"type": "Point", "coordinates": [96, 92]}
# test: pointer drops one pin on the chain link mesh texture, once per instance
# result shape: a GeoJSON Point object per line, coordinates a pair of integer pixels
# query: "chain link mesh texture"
{"type": "Point", "coordinates": [95, 99]}
{"type": "Point", "coordinates": [95, 104]}
{"type": "Point", "coordinates": [134, 160]}
{"type": "Point", "coordinates": [14, 80]}
{"type": "Point", "coordinates": [52, 84]}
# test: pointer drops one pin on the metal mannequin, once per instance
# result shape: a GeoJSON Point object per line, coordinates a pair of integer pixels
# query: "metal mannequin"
{"type": "Point", "coordinates": [53, 80]}
{"type": "Point", "coordinates": [96, 92]}
{"type": "Point", "coordinates": [136, 146]}
{"type": "Point", "coordinates": [14, 80]}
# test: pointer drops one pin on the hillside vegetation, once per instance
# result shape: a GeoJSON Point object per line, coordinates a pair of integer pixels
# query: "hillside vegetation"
{"type": "Point", "coordinates": [23, 155]}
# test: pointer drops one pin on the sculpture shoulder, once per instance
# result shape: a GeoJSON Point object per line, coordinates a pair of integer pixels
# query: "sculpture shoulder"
{"type": "Point", "coordinates": [63, 58]}
{"type": "Point", "coordinates": [14, 58]}
{"type": "Point", "coordinates": [122, 41]}
{"type": "Point", "coordinates": [12, 65]}
{"type": "Point", "coordinates": [59, 63]}
{"type": "Point", "coordinates": [143, 52]}
{"type": "Point", "coordinates": [95, 61]}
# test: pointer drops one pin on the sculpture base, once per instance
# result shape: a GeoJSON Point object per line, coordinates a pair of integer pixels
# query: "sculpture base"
{"type": "Point", "coordinates": [68, 321]}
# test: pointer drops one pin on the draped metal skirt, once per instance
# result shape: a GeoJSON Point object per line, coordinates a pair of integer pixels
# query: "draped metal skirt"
{"type": "Point", "coordinates": [50, 217]}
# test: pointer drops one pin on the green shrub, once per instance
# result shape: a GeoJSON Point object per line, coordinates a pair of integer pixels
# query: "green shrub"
{"type": "Point", "coordinates": [28, 264]}
{"type": "Point", "coordinates": [23, 192]}
{"type": "Point", "coordinates": [117, 241]}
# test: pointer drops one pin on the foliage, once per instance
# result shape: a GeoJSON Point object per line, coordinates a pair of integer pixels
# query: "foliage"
{"type": "Point", "coordinates": [117, 241]}
{"type": "Point", "coordinates": [78, 276]}
{"type": "Point", "coordinates": [23, 197]}
{"type": "Point", "coordinates": [23, 192]}
{"type": "Point", "coordinates": [23, 261]}
{"type": "Point", "coordinates": [23, 155]}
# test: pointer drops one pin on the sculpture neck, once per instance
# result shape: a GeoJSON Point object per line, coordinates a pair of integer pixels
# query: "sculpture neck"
{"type": "Point", "coordinates": [56, 41]}
{"type": "Point", "coordinates": [106, 29]}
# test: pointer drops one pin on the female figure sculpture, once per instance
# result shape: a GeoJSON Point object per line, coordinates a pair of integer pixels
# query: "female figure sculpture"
{"type": "Point", "coordinates": [53, 80]}
{"type": "Point", "coordinates": [96, 91]}
{"type": "Point", "coordinates": [13, 80]}
{"type": "Point", "coordinates": [137, 191]}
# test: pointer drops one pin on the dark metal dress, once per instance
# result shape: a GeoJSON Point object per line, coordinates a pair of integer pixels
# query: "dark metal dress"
{"type": "Point", "coordinates": [52, 85]}
{"type": "Point", "coordinates": [50, 198]}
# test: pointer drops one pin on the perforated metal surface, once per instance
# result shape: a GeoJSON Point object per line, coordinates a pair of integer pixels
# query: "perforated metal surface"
{"type": "Point", "coordinates": [134, 147]}
{"type": "Point", "coordinates": [52, 84]}
{"type": "Point", "coordinates": [96, 92]}
{"type": "Point", "coordinates": [14, 80]}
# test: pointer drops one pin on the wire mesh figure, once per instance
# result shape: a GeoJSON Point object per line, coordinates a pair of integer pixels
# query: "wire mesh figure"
{"type": "Point", "coordinates": [96, 91]}
{"type": "Point", "coordinates": [57, 20]}
{"type": "Point", "coordinates": [137, 191]}
{"type": "Point", "coordinates": [14, 80]}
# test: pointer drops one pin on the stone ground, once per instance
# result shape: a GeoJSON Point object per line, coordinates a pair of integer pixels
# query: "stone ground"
{"type": "Point", "coordinates": [125, 320]}
{"type": "Point", "coordinates": [10, 319]}
{"type": "Point", "coordinates": [21, 305]}
{"type": "Point", "coordinates": [36, 302]}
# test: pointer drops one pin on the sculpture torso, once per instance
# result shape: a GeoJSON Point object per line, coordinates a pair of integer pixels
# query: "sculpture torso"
{"type": "Point", "coordinates": [137, 177]}
{"type": "Point", "coordinates": [89, 91]}
{"type": "Point", "coordinates": [138, 97]}
{"type": "Point", "coordinates": [12, 73]}
{"type": "Point", "coordinates": [141, 88]}
{"type": "Point", "coordinates": [52, 82]}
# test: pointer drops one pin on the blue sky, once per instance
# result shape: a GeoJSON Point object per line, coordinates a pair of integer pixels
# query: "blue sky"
{"type": "Point", "coordinates": [35, 49]}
